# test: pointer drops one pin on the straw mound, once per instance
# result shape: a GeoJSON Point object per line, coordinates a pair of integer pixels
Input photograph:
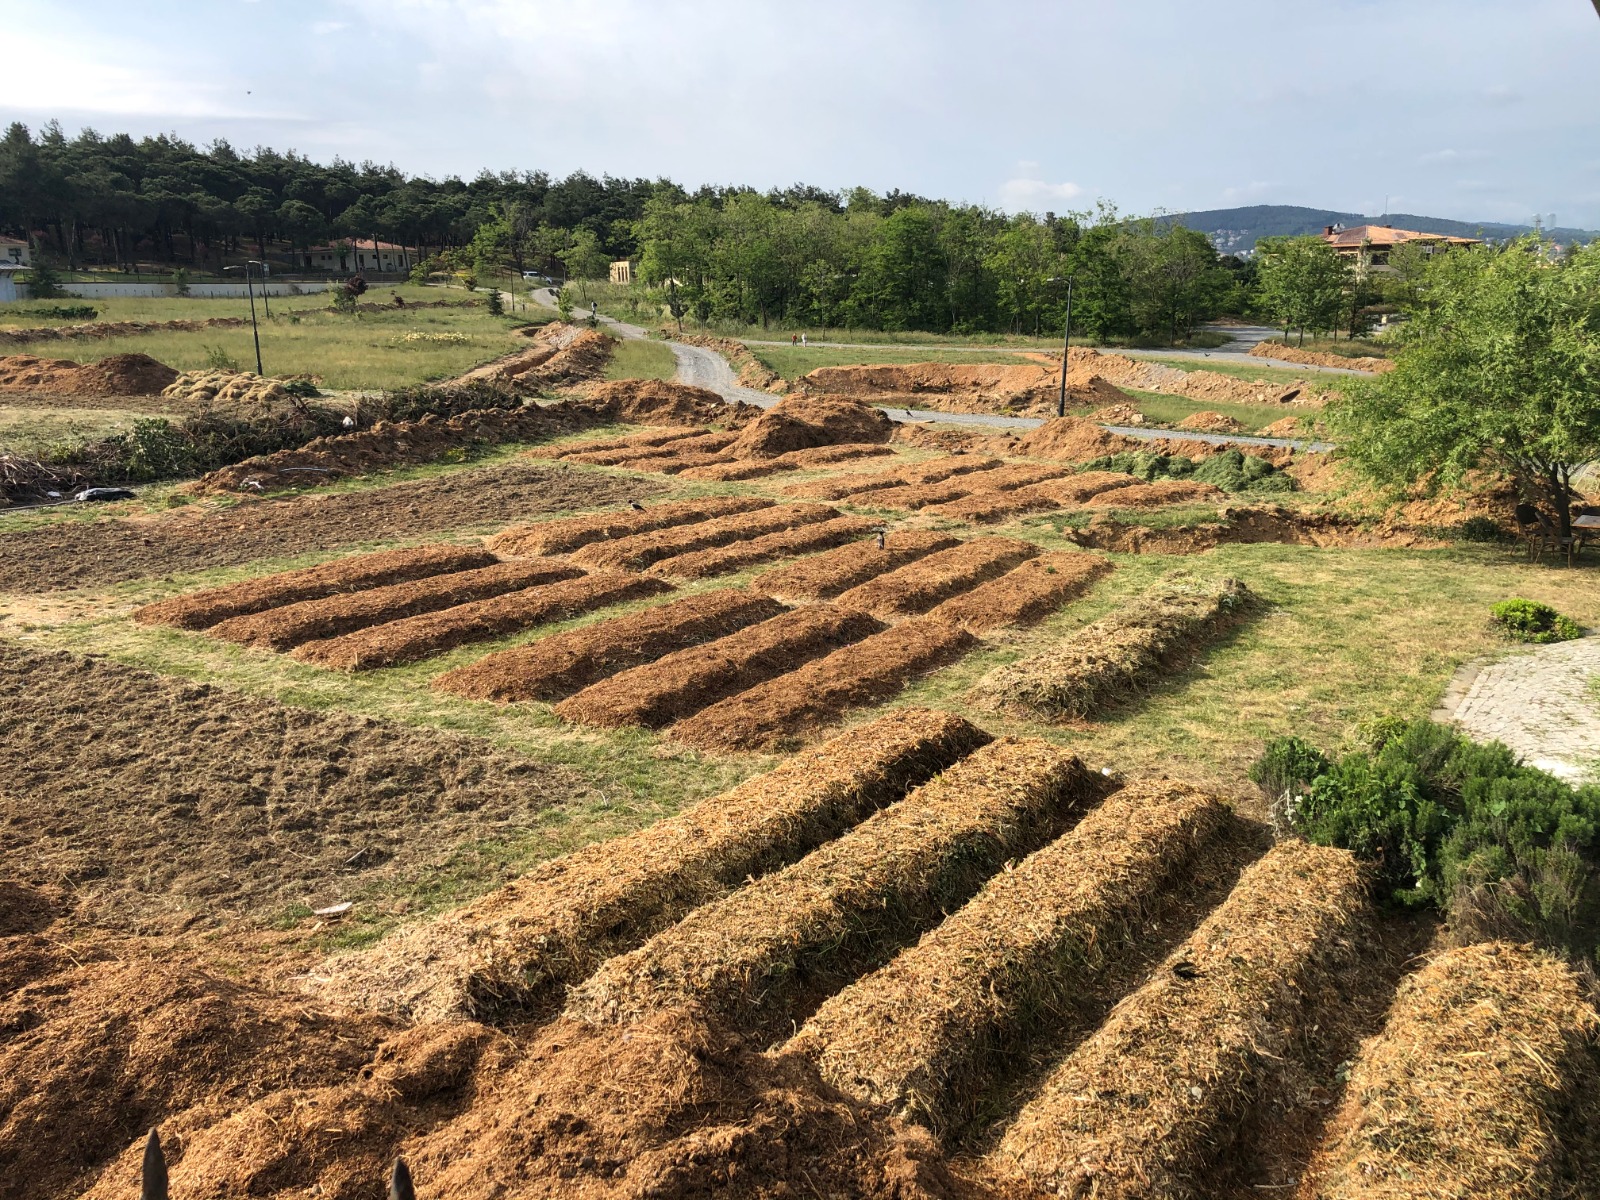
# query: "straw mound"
{"type": "Point", "coordinates": [702, 564]}
{"type": "Point", "coordinates": [307, 620]}
{"type": "Point", "coordinates": [93, 1055]}
{"type": "Point", "coordinates": [385, 444]}
{"type": "Point", "coordinates": [1317, 358]}
{"type": "Point", "coordinates": [118, 375]}
{"type": "Point", "coordinates": [824, 576]}
{"type": "Point", "coordinates": [679, 684]}
{"type": "Point", "coordinates": [563, 663]}
{"type": "Point", "coordinates": [1072, 439]}
{"type": "Point", "coordinates": [1157, 494]}
{"type": "Point", "coordinates": [695, 441]}
{"type": "Point", "coordinates": [509, 367]}
{"type": "Point", "coordinates": [752, 957]}
{"type": "Point", "coordinates": [1243, 526]}
{"type": "Point", "coordinates": [1075, 489]}
{"type": "Point", "coordinates": [1474, 1088]}
{"type": "Point", "coordinates": [671, 1111]}
{"type": "Point", "coordinates": [1027, 593]}
{"type": "Point", "coordinates": [803, 422]}
{"type": "Point", "coordinates": [650, 439]}
{"type": "Point", "coordinates": [918, 586]}
{"type": "Point", "coordinates": [579, 358]}
{"type": "Point", "coordinates": [778, 713]}
{"type": "Point", "coordinates": [426, 634]}
{"type": "Point", "coordinates": [513, 949]}
{"type": "Point", "coordinates": [659, 402]}
{"type": "Point", "coordinates": [1206, 421]}
{"type": "Point", "coordinates": [1121, 654]}
{"type": "Point", "coordinates": [1149, 1105]}
{"type": "Point", "coordinates": [237, 387]}
{"type": "Point", "coordinates": [643, 549]}
{"type": "Point", "coordinates": [357, 572]}
{"type": "Point", "coordinates": [1023, 955]}
{"type": "Point", "coordinates": [568, 534]}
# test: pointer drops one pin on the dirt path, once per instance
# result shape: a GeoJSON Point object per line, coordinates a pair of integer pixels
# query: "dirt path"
{"type": "Point", "coordinates": [1543, 703]}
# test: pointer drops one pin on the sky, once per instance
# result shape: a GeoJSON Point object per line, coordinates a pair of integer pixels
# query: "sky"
{"type": "Point", "coordinates": [1476, 110]}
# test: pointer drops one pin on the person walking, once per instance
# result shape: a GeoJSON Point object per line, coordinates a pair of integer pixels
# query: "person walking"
{"type": "Point", "coordinates": [802, 339]}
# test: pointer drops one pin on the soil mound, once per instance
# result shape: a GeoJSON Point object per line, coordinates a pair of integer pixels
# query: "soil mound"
{"type": "Point", "coordinates": [1317, 358]}
{"type": "Point", "coordinates": [1213, 386]}
{"type": "Point", "coordinates": [951, 387]}
{"type": "Point", "coordinates": [657, 402]}
{"type": "Point", "coordinates": [1118, 414]}
{"type": "Point", "coordinates": [1207, 421]}
{"type": "Point", "coordinates": [118, 375]}
{"type": "Point", "coordinates": [1288, 427]}
{"type": "Point", "coordinates": [804, 422]}
{"type": "Point", "coordinates": [1073, 439]}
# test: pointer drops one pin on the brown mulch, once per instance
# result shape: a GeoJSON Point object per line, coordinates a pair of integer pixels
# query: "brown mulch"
{"type": "Point", "coordinates": [801, 422]}
{"type": "Point", "coordinates": [1027, 593]}
{"type": "Point", "coordinates": [168, 806]}
{"type": "Point", "coordinates": [568, 534]}
{"type": "Point", "coordinates": [308, 620]}
{"type": "Point", "coordinates": [795, 460]}
{"type": "Point", "coordinates": [69, 554]}
{"type": "Point", "coordinates": [683, 683]}
{"type": "Point", "coordinates": [1157, 494]}
{"type": "Point", "coordinates": [116, 375]}
{"type": "Point", "coordinates": [702, 564]}
{"type": "Point", "coordinates": [824, 576]}
{"type": "Point", "coordinates": [918, 586]}
{"type": "Point", "coordinates": [659, 402]}
{"type": "Point", "coordinates": [412, 638]}
{"type": "Point", "coordinates": [784, 710]}
{"type": "Point", "coordinates": [934, 470]}
{"type": "Point", "coordinates": [643, 549]}
{"type": "Point", "coordinates": [612, 455]}
{"type": "Point", "coordinates": [358, 572]}
{"type": "Point", "coordinates": [563, 663]}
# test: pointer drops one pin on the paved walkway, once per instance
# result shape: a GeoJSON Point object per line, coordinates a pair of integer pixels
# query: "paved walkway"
{"type": "Point", "coordinates": [1539, 703]}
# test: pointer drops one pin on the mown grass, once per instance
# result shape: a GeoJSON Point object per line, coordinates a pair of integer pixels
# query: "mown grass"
{"type": "Point", "coordinates": [641, 358]}
{"type": "Point", "coordinates": [1163, 409]}
{"type": "Point", "coordinates": [31, 432]}
{"type": "Point", "coordinates": [196, 308]}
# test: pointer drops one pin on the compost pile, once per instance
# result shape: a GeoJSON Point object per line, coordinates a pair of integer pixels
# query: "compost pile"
{"type": "Point", "coordinates": [229, 387]}
{"type": "Point", "coordinates": [118, 375]}
{"type": "Point", "coordinates": [660, 402]}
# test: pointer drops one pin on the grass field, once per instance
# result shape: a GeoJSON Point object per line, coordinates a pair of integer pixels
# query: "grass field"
{"type": "Point", "coordinates": [1163, 409]}
{"type": "Point", "coordinates": [29, 432]}
{"type": "Point", "coordinates": [642, 358]}
{"type": "Point", "coordinates": [24, 313]}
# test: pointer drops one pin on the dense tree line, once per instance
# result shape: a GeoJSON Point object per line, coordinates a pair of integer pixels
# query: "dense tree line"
{"type": "Point", "coordinates": [799, 256]}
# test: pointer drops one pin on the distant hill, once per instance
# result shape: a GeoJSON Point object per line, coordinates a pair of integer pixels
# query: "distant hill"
{"type": "Point", "coordinates": [1235, 230]}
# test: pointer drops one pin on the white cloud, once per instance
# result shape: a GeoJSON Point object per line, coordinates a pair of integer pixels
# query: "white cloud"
{"type": "Point", "coordinates": [1028, 191]}
{"type": "Point", "coordinates": [1452, 156]}
{"type": "Point", "coordinates": [324, 28]}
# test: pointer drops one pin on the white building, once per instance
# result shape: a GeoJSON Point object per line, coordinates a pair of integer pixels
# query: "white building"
{"type": "Point", "coordinates": [348, 257]}
{"type": "Point", "coordinates": [14, 252]}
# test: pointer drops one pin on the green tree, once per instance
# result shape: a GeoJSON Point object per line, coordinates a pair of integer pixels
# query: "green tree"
{"type": "Point", "coordinates": [1498, 368]}
{"type": "Point", "coordinates": [1172, 276]}
{"type": "Point", "coordinates": [1303, 282]}
{"type": "Point", "coordinates": [585, 260]}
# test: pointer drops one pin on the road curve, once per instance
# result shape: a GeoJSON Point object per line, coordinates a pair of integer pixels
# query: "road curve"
{"type": "Point", "coordinates": [707, 369]}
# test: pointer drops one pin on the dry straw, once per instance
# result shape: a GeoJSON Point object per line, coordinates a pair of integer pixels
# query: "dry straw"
{"type": "Point", "coordinates": [564, 663]}
{"type": "Point", "coordinates": [642, 549]}
{"type": "Point", "coordinates": [1028, 592]}
{"type": "Point", "coordinates": [681, 684]}
{"type": "Point", "coordinates": [824, 576]}
{"type": "Point", "coordinates": [701, 443]}
{"type": "Point", "coordinates": [1114, 658]}
{"type": "Point", "coordinates": [1157, 494]}
{"type": "Point", "coordinates": [756, 954]}
{"type": "Point", "coordinates": [794, 460]}
{"type": "Point", "coordinates": [1023, 953]}
{"type": "Point", "coordinates": [514, 949]}
{"type": "Point", "coordinates": [675, 463]}
{"type": "Point", "coordinates": [785, 709]}
{"type": "Point", "coordinates": [920, 585]}
{"type": "Point", "coordinates": [284, 628]}
{"type": "Point", "coordinates": [633, 442]}
{"type": "Point", "coordinates": [1477, 1086]}
{"type": "Point", "coordinates": [569, 533]}
{"type": "Point", "coordinates": [703, 564]}
{"type": "Point", "coordinates": [422, 636]}
{"type": "Point", "coordinates": [199, 610]}
{"type": "Point", "coordinates": [932, 470]}
{"type": "Point", "coordinates": [1148, 1104]}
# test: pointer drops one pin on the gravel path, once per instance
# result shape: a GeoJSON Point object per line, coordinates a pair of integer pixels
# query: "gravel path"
{"type": "Point", "coordinates": [1537, 702]}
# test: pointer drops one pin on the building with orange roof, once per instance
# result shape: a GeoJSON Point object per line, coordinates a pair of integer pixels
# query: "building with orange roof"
{"type": "Point", "coordinates": [1370, 245]}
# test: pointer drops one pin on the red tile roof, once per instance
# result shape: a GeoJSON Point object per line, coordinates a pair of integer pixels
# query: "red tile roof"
{"type": "Point", "coordinates": [1383, 237]}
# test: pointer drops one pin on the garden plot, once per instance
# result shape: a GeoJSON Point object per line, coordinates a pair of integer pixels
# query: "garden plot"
{"type": "Point", "coordinates": [1003, 478]}
{"type": "Point", "coordinates": [720, 560]}
{"type": "Point", "coordinates": [795, 460]}
{"type": "Point", "coordinates": [1028, 592]}
{"type": "Point", "coordinates": [921, 584]}
{"type": "Point", "coordinates": [824, 576]}
{"type": "Point", "coordinates": [931, 471]}
{"type": "Point", "coordinates": [643, 549]}
{"type": "Point", "coordinates": [1051, 494]}
{"type": "Point", "coordinates": [571, 533]}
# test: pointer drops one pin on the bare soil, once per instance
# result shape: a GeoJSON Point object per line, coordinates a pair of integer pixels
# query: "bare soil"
{"type": "Point", "coordinates": [75, 554]}
{"type": "Point", "coordinates": [118, 375]}
{"type": "Point", "coordinates": [166, 806]}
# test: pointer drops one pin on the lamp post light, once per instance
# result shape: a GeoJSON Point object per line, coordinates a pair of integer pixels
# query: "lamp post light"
{"type": "Point", "coordinates": [1066, 345]}
{"type": "Point", "coordinates": [250, 287]}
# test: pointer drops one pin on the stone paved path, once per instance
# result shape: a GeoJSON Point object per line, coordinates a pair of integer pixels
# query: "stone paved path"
{"type": "Point", "coordinates": [1539, 703]}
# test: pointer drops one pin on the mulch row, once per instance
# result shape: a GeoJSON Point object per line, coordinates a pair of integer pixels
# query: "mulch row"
{"type": "Point", "coordinates": [567, 534]}
{"type": "Point", "coordinates": [1027, 593]}
{"type": "Point", "coordinates": [641, 550]}
{"type": "Point", "coordinates": [720, 560]}
{"type": "Point", "coordinates": [824, 576]}
{"type": "Point", "coordinates": [794, 460]}
{"type": "Point", "coordinates": [932, 470]}
{"type": "Point", "coordinates": [918, 586]}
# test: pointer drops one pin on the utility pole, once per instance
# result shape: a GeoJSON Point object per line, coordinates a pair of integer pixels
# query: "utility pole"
{"type": "Point", "coordinates": [1066, 346]}
{"type": "Point", "coordinates": [255, 331]}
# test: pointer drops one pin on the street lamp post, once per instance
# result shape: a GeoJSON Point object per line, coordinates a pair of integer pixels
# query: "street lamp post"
{"type": "Point", "coordinates": [255, 332]}
{"type": "Point", "coordinates": [1066, 346]}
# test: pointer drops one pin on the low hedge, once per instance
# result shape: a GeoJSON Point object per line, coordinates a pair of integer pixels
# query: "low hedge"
{"type": "Point", "coordinates": [1530, 621]}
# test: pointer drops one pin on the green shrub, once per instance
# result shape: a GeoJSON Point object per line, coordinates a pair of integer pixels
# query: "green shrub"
{"type": "Point", "coordinates": [497, 306]}
{"type": "Point", "coordinates": [1530, 621]}
{"type": "Point", "coordinates": [61, 312]}
{"type": "Point", "coordinates": [1481, 529]}
{"type": "Point", "coordinates": [1505, 849]}
{"type": "Point", "coordinates": [218, 359]}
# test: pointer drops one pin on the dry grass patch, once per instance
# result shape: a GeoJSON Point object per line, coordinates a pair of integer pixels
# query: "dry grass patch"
{"type": "Point", "coordinates": [753, 956]}
{"type": "Point", "coordinates": [1475, 1087]}
{"type": "Point", "coordinates": [785, 709]}
{"type": "Point", "coordinates": [720, 560]}
{"type": "Point", "coordinates": [1114, 658]}
{"type": "Point", "coordinates": [1148, 1105]}
{"type": "Point", "coordinates": [358, 572]}
{"type": "Point", "coordinates": [643, 549]}
{"type": "Point", "coordinates": [426, 634]}
{"type": "Point", "coordinates": [1025, 952]}
{"type": "Point", "coordinates": [570, 533]}
{"type": "Point", "coordinates": [1027, 593]}
{"type": "Point", "coordinates": [824, 576]}
{"type": "Point", "coordinates": [681, 684]}
{"type": "Point", "coordinates": [290, 626]}
{"type": "Point", "coordinates": [564, 663]}
{"type": "Point", "coordinates": [920, 585]}
{"type": "Point", "coordinates": [513, 950]}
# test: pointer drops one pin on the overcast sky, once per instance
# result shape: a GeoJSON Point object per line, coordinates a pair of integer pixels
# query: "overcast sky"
{"type": "Point", "coordinates": [1471, 109]}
